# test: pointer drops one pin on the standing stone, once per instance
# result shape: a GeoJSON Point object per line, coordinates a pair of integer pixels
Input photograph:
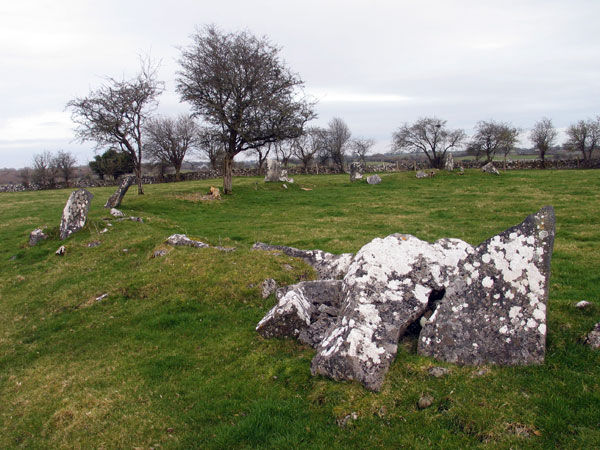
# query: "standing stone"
{"type": "Point", "coordinates": [490, 168]}
{"type": "Point", "coordinates": [449, 165]}
{"type": "Point", "coordinates": [495, 313]}
{"type": "Point", "coordinates": [387, 287]}
{"type": "Point", "coordinates": [37, 236]}
{"type": "Point", "coordinates": [374, 179]}
{"type": "Point", "coordinates": [75, 213]}
{"type": "Point", "coordinates": [115, 200]}
{"type": "Point", "coordinates": [355, 172]}
{"type": "Point", "coordinates": [273, 171]}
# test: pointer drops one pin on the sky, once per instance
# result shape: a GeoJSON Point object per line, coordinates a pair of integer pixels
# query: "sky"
{"type": "Point", "coordinates": [376, 64]}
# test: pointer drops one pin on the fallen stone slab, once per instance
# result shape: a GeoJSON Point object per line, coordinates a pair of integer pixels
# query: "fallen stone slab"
{"type": "Point", "coordinates": [495, 311]}
{"type": "Point", "coordinates": [115, 200]}
{"type": "Point", "coordinates": [183, 240]}
{"type": "Point", "coordinates": [374, 179]}
{"type": "Point", "coordinates": [327, 265]}
{"type": "Point", "coordinates": [36, 236]}
{"type": "Point", "coordinates": [305, 310]}
{"type": "Point", "coordinates": [75, 213]}
{"type": "Point", "coordinates": [490, 168]}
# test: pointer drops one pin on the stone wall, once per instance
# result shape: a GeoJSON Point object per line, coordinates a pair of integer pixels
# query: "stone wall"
{"type": "Point", "coordinates": [399, 166]}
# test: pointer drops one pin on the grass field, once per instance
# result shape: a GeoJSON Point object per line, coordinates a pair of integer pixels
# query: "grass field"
{"type": "Point", "coordinates": [170, 358]}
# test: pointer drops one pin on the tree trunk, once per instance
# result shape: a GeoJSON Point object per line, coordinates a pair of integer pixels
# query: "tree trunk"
{"type": "Point", "coordinates": [177, 172]}
{"type": "Point", "coordinates": [138, 176]}
{"type": "Point", "coordinates": [227, 174]}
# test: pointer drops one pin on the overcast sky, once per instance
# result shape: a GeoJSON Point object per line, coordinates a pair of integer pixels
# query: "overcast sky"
{"type": "Point", "coordinates": [376, 64]}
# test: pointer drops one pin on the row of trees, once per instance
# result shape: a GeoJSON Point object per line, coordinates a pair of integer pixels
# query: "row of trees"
{"type": "Point", "coordinates": [431, 136]}
{"type": "Point", "coordinates": [48, 168]}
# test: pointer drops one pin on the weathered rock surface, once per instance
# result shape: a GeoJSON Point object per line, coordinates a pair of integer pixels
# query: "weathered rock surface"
{"type": "Point", "coordinates": [305, 310]}
{"type": "Point", "coordinates": [273, 171]}
{"type": "Point", "coordinates": [36, 236]}
{"type": "Point", "coordinates": [267, 287]}
{"type": "Point", "coordinates": [115, 200]}
{"type": "Point", "coordinates": [61, 251]}
{"type": "Point", "coordinates": [116, 213]}
{"type": "Point", "coordinates": [374, 179]}
{"type": "Point", "coordinates": [490, 168]}
{"type": "Point", "coordinates": [355, 172]}
{"type": "Point", "coordinates": [284, 177]}
{"type": "Point", "coordinates": [593, 337]}
{"type": "Point", "coordinates": [421, 174]}
{"type": "Point", "coordinates": [583, 304]}
{"type": "Point", "coordinates": [387, 287]}
{"type": "Point", "coordinates": [327, 265]}
{"type": "Point", "coordinates": [183, 240]}
{"type": "Point", "coordinates": [449, 163]}
{"type": "Point", "coordinates": [75, 213]}
{"type": "Point", "coordinates": [495, 311]}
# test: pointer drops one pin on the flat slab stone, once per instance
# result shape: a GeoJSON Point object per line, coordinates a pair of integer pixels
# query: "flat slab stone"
{"type": "Point", "coordinates": [374, 179]}
{"type": "Point", "coordinates": [327, 265]}
{"type": "Point", "coordinates": [490, 168]}
{"type": "Point", "coordinates": [183, 240]}
{"type": "Point", "coordinates": [115, 200]}
{"type": "Point", "coordinates": [495, 312]}
{"type": "Point", "coordinates": [75, 213]}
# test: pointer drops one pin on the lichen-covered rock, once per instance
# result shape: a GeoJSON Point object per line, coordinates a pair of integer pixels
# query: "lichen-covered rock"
{"type": "Point", "coordinates": [61, 251]}
{"type": "Point", "coordinates": [115, 200]}
{"type": "Point", "coordinates": [593, 337]}
{"type": "Point", "coordinates": [116, 213]}
{"type": "Point", "coordinates": [495, 312]}
{"type": "Point", "coordinates": [355, 172]}
{"type": "Point", "coordinates": [490, 168]}
{"type": "Point", "coordinates": [387, 287]}
{"type": "Point", "coordinates": [449, 163]}
{"type": "Point", "coordinates": [273, 171]}
{"type": "Point", "coordinates": [75, 213]}
{"type": "Point", "coordinates": [183, 240]}
{"type": "Point", "coordinates": [327, 265]}
{"type": "Point", "coordinates": [36, 236]}
{"type": "Point", "coordinates": [374, 179]}
{"type": "Point", "coordinates": [583, 304]}
{"type": "Point", "coordinates": [284, 177]}
{"type": "Point", "coordinates": [267, 287]}
{"type": "Point", "coordinates": [305, 310]}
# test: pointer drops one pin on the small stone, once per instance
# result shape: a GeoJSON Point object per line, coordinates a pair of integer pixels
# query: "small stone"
{"type": "Point", "coordinates": [116, 213]}
{"type": "Point", "coordinates": [93, 244]}
{"type": "Point", "coordinates": [159, 253]}
{"type": "Point", "coordinates": [593, 337]}
{"type": "Point", "coordinates": [61, 251]}
{"type": "Point", "coordinates": [481, 372]}
{"type": "Point", "coordinates": [438, 372]}
{"type": "Point", "coordinates": [374, 179]}
{"type": "Point", "coordinates": [37, 236]}
{"type": "Point", "coordinates": [183, 240]}
{"type": "Point", "coordinates": [420, 174]}
{"type": "Point", "coordinates": [125, 250]}
{"type": "Point", "coordinates": [102, 297]}
{"type": "Point", "coordinates": [285, 186]}
{"type": "Point", "coordinates": [287, 267]}
{"type": "Point", "coordinates": [268, 287]}
{"type": "Point", "coordinates": [104, 230]}
{"type": "Point", "coordinates": [347, 420]}
{"type": "Point", "coordinates": [425, 401]}
{"type": "Point", "coordinates": [583, 304]}
{"type": "Point", "coordinates": [490, 168]}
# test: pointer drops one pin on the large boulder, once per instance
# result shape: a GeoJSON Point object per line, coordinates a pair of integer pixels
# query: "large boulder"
{"type": "Point", "coordinates": [490, 168]}
{"type": "Point", "coordinates": [355, 172]}
{"type": "Point", "coordinates": [273, 171]}
{"type": "Point", "coordinates": [75, 213]}
{"type": "Point", "coordinates": [495, 311]}
{"type": "Point", "coordinates": [327, 265]}
{"type": "Point", "coordinates": [115, 200]}
{"type": "Point", "coordinates": [387, 288]}
{"type": "Point", "coordinates": [374, 179]}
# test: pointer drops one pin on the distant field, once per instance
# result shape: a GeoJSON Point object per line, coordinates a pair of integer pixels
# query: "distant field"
{"type": "Point", "coordinates": [170, 358]}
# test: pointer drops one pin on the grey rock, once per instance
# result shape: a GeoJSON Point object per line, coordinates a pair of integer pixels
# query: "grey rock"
{"type": "Point", "coordinates": [93, 244]}
{"type": "Point", "coordinates": [420, 174]}
{"type": "Point", "coordinates": [159, 253]}
{"type": "Point", "coordinates": [490, 168]}
{"type": "Point", "coordinates": [115, 200]}
{"type": "Point", "coordinates": [583, 304]}
{"type": "Point", "coordinates": [36, 236]}
{"type": "Point", "coordinates": [284, 177]}
{"type": "Point", "coordinates": [104, 230]}
{"type": "Point", "coordinates": [374, 179]}
{"type": "Point", "coordinates": [61, 251]}
{"type": "Point", "coordinates": [387, 288]}
{"type": "Point", "coordinates": [347, 420]}
{"type": "Point", "coordinates": [327, 265]}
{"type": "Point", "coordinates": [593, 337]}
{"type": "Point", "coordinates": [356, 172]}
{"type": "Point", "coordinates": [116, 213]}
{"type": "Point", "coordinates": [267, 287]}
{"type": "Point", "coordinates": [305, 310]}
{"type": "Point", "coordinates": [438, 372]}
{"type": "Point", "coordinates": [75, 213]}
{"type": "Point", "coordinates": [495, 311]}
{"type": "Point", "coordinates": [273, 171]}
{"type": "Point", "coordinates": [425, 401]}
{"type": "Point", "coordinates": [183, 240]}
{"type": "Point", "coordinates": [102, 297]}
{"type": "Point", "coordinates": [449, 163]}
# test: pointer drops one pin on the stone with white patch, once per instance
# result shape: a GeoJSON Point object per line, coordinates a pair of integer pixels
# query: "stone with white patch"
{"type": "Point", "coordinates": [356, 172]}
{"type": "Point", "coordinates": [490, 168]}
{"type": "Point", "coordinates": [593, 338]}
{"type": "Point", "coordinates": [506, 300]}
{"type": "Point", "coordinates": [75, 213]}
{"type": "Point", "coordinates": [183, 240]}
{"type": "Point", "coordinates": [36, 236]}
{"type": "Point", "coordinates": [374, 179]}
{"type": "Point", "coordinates": [387, 287]}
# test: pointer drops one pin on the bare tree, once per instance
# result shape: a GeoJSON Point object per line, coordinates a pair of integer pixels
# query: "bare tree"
{"type": "Point", "coordinates": [65, 162]}
{"type": "Point", "coordinates": [543, 135]}
{"type": "Point", "coordinates": [44, 169]}
{"type": "Point", "coordinates": [584, 136]}
{"type": "Point", "coordinates": [114, 115]}
{"type": "Point", "coordinates": [305, 147]}
{"type": "Point", "coordinates": [211, 145]}
{"type": "Point", "coordinates": [492, 137]}
{"type": "Point", "coordinates": [361, 147]}
{"type": "Point", "coordinates": [284, 151]}
{"type": "Point", "coordinates": [262, 153]}
{"type": "Point", "coordinates": [237, 82]}
{"type": "Point", "coordinates": [170, 139]}
{"type": "Point", "coordinates": [25, 176]}
{"type": "Point", "coordinates": [430, 136]}
{"type": "Point", "coordinates": [335, 142]}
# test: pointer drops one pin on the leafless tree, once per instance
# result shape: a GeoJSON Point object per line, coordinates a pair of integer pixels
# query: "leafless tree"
{"type": "Point", "coordinates": [492, 137]}
{"type": "Point", "coordinates": [284, 151]}
{"type": "Point", "coordinates": [305, 147]}
{"type": "Point", "coordinates": [25, 175]}
{"type": "Point", "coordinates": [361, 147]}
{"type": "Point", "coordinates": [430, 136]}
{"type": "Point", "coordinates": [238, 83]}
{"type": "Point", "coordinates": [584, 136]}
{"type": "Point", "coordinates": [211, 145]}
{"type": "Point", "coordinates": [44, 169]}
{"type": "Point", "coordinates": [335, 141]}
{"type": "Point", "coordinates": [262, 153]}
{"type": "Point", "coordinates": [170, 139]}
{"type": "Point", "coordinates": [65, 162]}
{"type": "Point", "coordinates": [114, 115]}
{"type": "Point", "coordinates": [543, 135]}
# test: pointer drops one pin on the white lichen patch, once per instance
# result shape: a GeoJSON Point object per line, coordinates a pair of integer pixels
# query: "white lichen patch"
{"type": "Point", "coordinates": [487, 282]}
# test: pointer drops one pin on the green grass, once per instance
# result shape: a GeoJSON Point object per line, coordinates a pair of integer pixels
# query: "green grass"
{"type": "Point", "coordinates": [170, 358]}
